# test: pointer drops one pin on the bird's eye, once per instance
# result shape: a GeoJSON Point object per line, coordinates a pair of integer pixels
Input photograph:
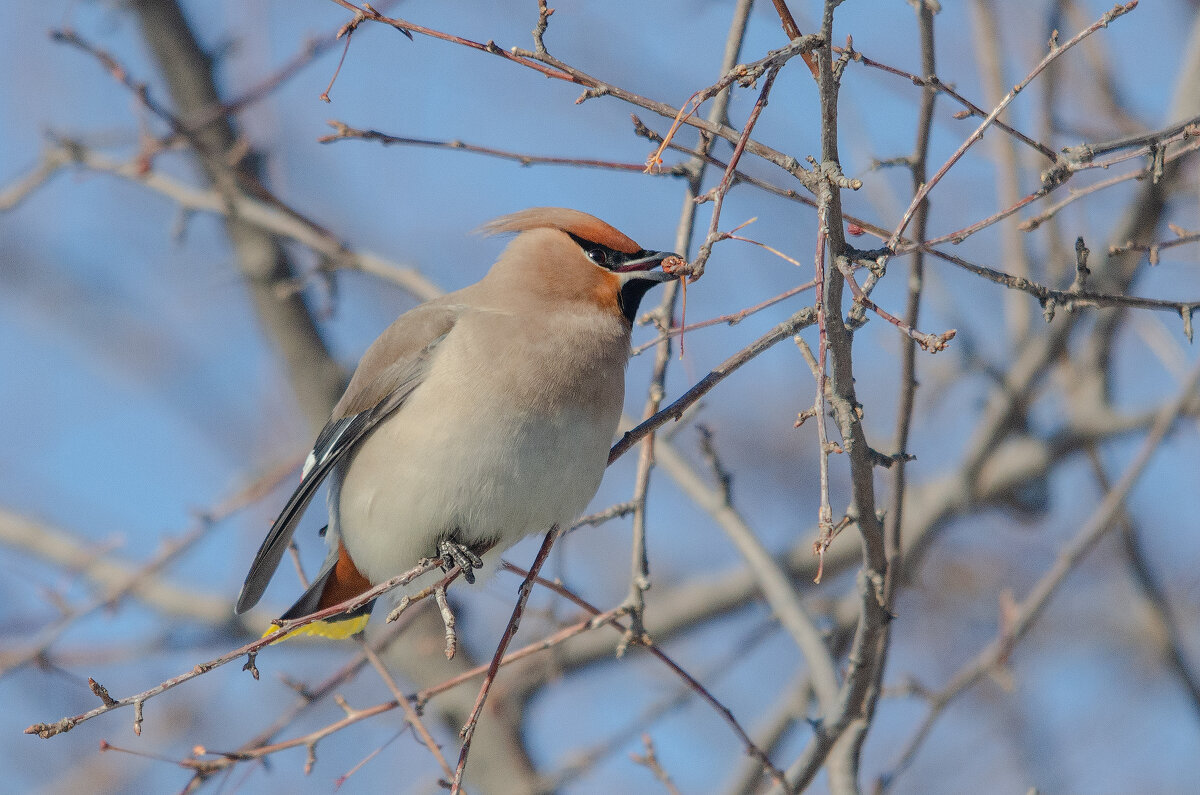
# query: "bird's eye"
{"type": "Point", "coordinates": [598, 256]}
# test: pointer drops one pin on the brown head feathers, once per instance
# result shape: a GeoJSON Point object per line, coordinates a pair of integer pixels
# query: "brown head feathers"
{"type": "Point", "coordinates": [573, 222]}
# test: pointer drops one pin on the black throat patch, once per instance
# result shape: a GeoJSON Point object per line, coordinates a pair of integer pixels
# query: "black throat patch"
{"type": "Point", "coordinates": [630, 296]}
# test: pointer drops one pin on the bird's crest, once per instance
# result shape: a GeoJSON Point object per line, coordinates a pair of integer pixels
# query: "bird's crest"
{"type": "Point", "coordinates": [573, 222]}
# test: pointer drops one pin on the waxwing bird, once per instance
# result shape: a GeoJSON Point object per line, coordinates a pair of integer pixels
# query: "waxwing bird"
{"type": "Point", "coordinates": [476, 418]}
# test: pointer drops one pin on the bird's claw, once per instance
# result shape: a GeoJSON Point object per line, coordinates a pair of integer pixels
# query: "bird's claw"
{"type": "Point", "coordinates": [456, 554]}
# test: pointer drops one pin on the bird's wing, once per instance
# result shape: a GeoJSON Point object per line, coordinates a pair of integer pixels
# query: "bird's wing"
{"type": "Point", "coordinates": [394, 366]}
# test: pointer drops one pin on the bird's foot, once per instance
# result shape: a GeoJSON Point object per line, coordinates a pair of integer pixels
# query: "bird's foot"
{"type": "Point", "coordinates": [456, 554]}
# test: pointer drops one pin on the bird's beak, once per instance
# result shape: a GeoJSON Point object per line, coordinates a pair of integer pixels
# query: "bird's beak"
{"type": "Point", "coordinates": [644, 265]}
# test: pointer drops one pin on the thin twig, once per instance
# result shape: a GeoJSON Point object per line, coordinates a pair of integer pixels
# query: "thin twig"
{"type": "Point", "coordinates": [717, 195]}
{"type": "Point", "coordinates": [933, 343]}
{"type": "Point", "coordinates": [664, 315]}
{"type": "Point", "coordinates": [526, 587]}
{"type": "Point", "coordinates": [343, 132]}
{"type": "Point", "coordinates": [805, 317]}
{"type": "Point", "coordinates": [725, 713]}
{"type": "Point", "coordinates": [47, 730]}
{"type": "Point", "coordinates": [731, 319]}
{"type": "Point", "coordinates": [1079, 193]}
{"type": "Point", "coordinates": [1116, 12]}
{"type": "Point", "coordinates": [410, 713]}
{"type": "Point", "coordinates": [824, 512]}
{"type": "Point", "coordinates": [550, 66]}
{"type": "Point", "coordinates": [649, 759]}
{"type": "Point", "coordinates": [931, 82]}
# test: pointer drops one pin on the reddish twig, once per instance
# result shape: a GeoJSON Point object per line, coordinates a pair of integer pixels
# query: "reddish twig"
{"type": "Point", "coordinates": [743, 74]}
{"type": "Point", "coordinates": [468, 729]}
{"type": "Point", "coordinates": [717, 195]}
{"type": "Point", "coordinates": [793, 32]}
{"type": "Point", "coordinates": [933, 343]}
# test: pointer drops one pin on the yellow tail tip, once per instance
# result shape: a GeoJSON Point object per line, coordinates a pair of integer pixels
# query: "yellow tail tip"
{"type": "Point", "coordinates": [336, 630]}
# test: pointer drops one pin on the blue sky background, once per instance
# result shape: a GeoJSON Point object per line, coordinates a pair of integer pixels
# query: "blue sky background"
{"type": "Point", "coordinates": [138, 389]}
